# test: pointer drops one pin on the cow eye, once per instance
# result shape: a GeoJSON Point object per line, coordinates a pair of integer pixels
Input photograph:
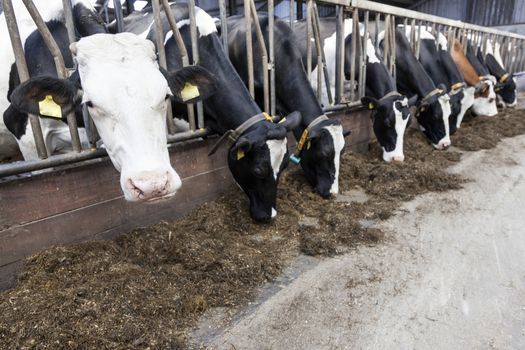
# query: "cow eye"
{"type": "Point", "coordinates": [89, 104]}
{"type": "Point", "coordinates": [259, 172]}
{"type": "Point", "coordinates": [167, 97]}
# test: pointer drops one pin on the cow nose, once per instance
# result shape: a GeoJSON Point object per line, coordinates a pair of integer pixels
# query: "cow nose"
{"type": "Point", "coordinates": [399, 158]}
{"type": "Point", "coordinates": [150, 186]}
{"type": "Point", "coordinates": [444, 144]}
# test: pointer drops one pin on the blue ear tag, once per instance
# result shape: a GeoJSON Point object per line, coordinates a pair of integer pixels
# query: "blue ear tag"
{"type": "Point", "coordinates": [294, 159]}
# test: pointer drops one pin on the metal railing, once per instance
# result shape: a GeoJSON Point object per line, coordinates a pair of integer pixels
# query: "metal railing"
{"type": "Point", "coordinates": [362, 13]}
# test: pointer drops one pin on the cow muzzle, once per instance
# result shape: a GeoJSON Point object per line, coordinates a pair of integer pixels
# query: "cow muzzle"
{"type": "Point", "coordinates": [443, 144]}
{"type": "Point", "coordinates": [151, 186]}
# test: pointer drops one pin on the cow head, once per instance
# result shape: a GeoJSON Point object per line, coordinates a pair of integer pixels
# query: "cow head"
{"type": "Point", "coordinates": [506, 89]}
{"type": "Point", "coordinates": [391, 116]}
{"type": "Point", "coordinates": [433, 114]}
{"type": "Point", "coordinates": [256, 160]}
{"type": "Point", "coordinates": [466, 96]}
{"type": "Point", "coordinates": [126, 95]}
{"type": "Point", "coordinates": [320, 156]}
{"type": "Point", "coordinates": [485, 99]}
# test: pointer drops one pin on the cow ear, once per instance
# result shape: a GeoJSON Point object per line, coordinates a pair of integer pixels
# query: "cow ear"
{"type": "Point", "coordinates": [412, 101]}
{"type": "Point", "coordinates": [191, 84]}
{"type": "Point", "coordinates": [291, 121]}
{"type": "Point", "coordinates": [442, 87]}
{"type": "Point", "coordinates": [369, 102]}
{"type": "Point", "coordinates": [46, 96]}
{"type": "Point", "coordinates": [241, 147]}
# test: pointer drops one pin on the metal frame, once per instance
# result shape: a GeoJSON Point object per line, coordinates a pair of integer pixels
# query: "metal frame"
{"type": "Point", "coordinates": [512, 50]}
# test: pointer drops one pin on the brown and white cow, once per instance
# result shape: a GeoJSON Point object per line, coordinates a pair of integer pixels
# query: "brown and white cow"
{"type": "Point", "coordinates": [484, 96]}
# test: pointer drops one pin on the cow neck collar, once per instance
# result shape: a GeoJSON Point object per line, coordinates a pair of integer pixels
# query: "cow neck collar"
{"type": "Point", "coordinates": [436, 91]}
{"type": "Point", "coordinates": [504, 78]}
{"type": "Point", "coordinates": [390, 94]}
{"type": "Point", "coordinates": [455, 88]}
{"type": "Point", "coordinates": [233, 135]}
{"type": "Point", "coordinates": [484, 77]}
{"type": "Point", "coordinates": [306, 131]}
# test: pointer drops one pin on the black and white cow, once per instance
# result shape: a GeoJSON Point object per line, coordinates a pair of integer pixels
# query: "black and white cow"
{"type": "Point", "coordinates": [438, 63]}
{"type": "Point", "coordinates": [257, 158]}
{"type": "Point", "coordinates": [320, 151]}
{"type": "Point", "coordinates": [390, 109]}
{"type": "Point", "coordinates": [433, 109]}
{"type": "Point", "coordinates": [118, 78]}
{"type": "Point", "coordinates": [506, 87]}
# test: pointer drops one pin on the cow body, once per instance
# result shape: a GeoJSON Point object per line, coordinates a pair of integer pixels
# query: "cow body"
{"type": "Point", "coordinates": [258, 157]}
{"type": "Point", "coordinates": [324, 143]}
{"type": "Point", "coordinates": [506, 89]}
{"type": "Point", "coordinates": [112, 71]}
{"type": "Point", "coordinates": [438, 63]}
{"type": "Point", "coordinates": [433, 109]}
{"type": "Point", "coordinates": [389, 110]}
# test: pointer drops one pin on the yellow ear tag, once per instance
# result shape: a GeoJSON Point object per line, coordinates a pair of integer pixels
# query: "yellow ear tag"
{"type": "Point", "coordinates": [370, 105]}
{"type": "Point", "coordinates": [240, 154]}
{"type": "Point", "coordinates": [308, 145]}
{"type": "Point", "coordinates": [189, 92]}
{"type": "Point", "coordinates": [49, 108]}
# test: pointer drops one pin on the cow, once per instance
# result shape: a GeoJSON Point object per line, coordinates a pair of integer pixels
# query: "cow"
{"type": "Point", "coordinates": [438, 63]}
{"type": "Point", "coordinates": [119, 80]}
{"type": "Point", "coordinates": [433, 108]}
{"type": "Point", "coordinates": [320, 140]}
{"type": "Point", "coordinates": [390, 112]}
{"type": "Point", "coordinates": [259, 151]}
{"type": "Point", "coordinates": [506, 87]}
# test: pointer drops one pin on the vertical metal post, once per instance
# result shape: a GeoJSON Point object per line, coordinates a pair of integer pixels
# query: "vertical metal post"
{"type": "Point", "coordinates": [339, 57]}
{"type": "Point", "coordinates": [386, 42]}
{"type": "Point", "coordinates": [23, 73]}
{"type": "Point", "coordinates": [393, 48]}
{"type": "Point", "coordinates": [376, 36]}
{"type": "Point", "coordinates": [308, 38]}
{"type": "Point", "coordinates": [159, 41]}
{"type": "Point", "coordinates": [130, 6]}
{"type": "Point", "coordinates": [59, 64]}
{"type": "Point", "coordinates": [68, 16]}
{"type": "Point", "coordinates": [271, 63]}
{"type": "Point", "coordinates": [317, 33]}
{"type": "Point", "coordinates": [362, 74]}
{"type": "Point", "coordinates": [195, 54]}
{"type": "Point", "coordinates": [413, 35]}
{"type": "Point", "coordinates": [292, 13]}
{"type": "Point", "coordinates": [418, 41]}
{"type": "Point", "coordinates": [264, 56]}
{"type": "Point", "coordinates": [119, 17]}
{"type": "Point", "coordinates": [224, 26]}
{"type": "Point", "coordinates": [355, 42]}
{"type": "Point", "coordinates": [249, 47]}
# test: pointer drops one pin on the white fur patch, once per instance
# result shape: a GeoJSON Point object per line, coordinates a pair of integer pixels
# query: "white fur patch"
{"type": "Point", "coordinates": [336, 131]}
{"type": "Point", "coordinates": [425, 32]}
{"type": "Point", "coordinates": [401, 124]}
{"type": "Point", "coordinates": [497, 54]}
{"type": "Point", "coordinates": [442, 42]}
{"type": "Point", "coordinates": [444, 102]}
{"type": "Point", "coordinates": [466, 102]}
{"type": "Point", "coordinates": [277, 152]}
{"type": "Point", "coordinates": [483, 105]}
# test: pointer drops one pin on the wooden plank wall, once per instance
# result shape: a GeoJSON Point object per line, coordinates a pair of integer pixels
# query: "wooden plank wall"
{"type": "Point", "coordinates": [80, 203]}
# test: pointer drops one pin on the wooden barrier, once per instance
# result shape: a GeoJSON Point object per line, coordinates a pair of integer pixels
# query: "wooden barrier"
{"type": "Point", "coordinates": [79, 203]}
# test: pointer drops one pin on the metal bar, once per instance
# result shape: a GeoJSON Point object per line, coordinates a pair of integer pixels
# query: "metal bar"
{"type": "Point", "coordinates": [195, 54]}
{"type": "Point", "coordinates": [376, 36]}
{"type": "Point", "coordinates": [224, 26]}
{"type": "Point", "coordinates": [292, 13]}
{"type": "Point", "coordinates": [355, 41]}
{"type": "Point", "coordinates": [418, 41]}
{"type": "Point", "coordinates": [130, 6]}
{"type": "Point", "coordinates": [69, 158]}
{"type": "Point", "coordinates": [308, 38]}
{"type": "Point", "coordinates": [264, 55]}
{"type": "Point", "coordinates": [59, 64]}
{"type": "Point", "coordinates": [339, 49]}
{"type": "Point", "coordinates": [183, 55]}
{"type": "Point", "coordinates": [317, 26]}
{"type": "Point", "coordinates": [23, 73]}
{"type": "Point", "coordinates": [393, 48]}
{"type": "Point", "coordinates": [159, 40]}
{"type": "Point", "coordinates": [119, 17]}
{"type": "Point", "coordinates": [413, 35]}
{"type": "Point", "coordinates": [249, 46]}
{"type": "Point", "coordinates": [271, 47]}
{"type": "Point", "coordinates": [68, 16]}
{"type": "Point", "coordinates": [319, 50]}
{"type": "Point", "coordinates": [362, 74]}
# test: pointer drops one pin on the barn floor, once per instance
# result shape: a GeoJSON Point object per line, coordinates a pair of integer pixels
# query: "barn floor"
{"type": "Point", "coordinates": [451, 275]}
{"type": "Point", "coordinates": [334, 273]}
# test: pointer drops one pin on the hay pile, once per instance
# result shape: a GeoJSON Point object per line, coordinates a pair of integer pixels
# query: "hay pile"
{"type": "Point", "coordinates": [147, 289]}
